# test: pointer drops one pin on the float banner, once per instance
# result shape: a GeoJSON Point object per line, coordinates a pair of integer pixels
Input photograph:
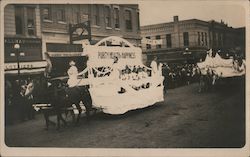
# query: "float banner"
{"type": "Point", "coordinates": [151, 41]}
{"type": "Point", "coordinates": [104, 56]}
{"type": "Point", "coordinates": [119, 55]}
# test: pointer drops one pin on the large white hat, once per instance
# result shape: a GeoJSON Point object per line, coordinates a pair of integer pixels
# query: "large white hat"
{"type": "Point", "coordinates": [72, 63]}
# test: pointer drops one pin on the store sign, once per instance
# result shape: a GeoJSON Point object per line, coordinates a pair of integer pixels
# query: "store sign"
{"type": "Point", "coordinates": [30, 49]}
{"type": "Point", "coordinates": [111, 55]}
{"type": "Point", "coordinates": [22, 41]}
{"type": "Point", "coordinates": [25, 65]}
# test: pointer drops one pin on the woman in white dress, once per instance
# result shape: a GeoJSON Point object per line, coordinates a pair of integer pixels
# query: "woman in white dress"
{"type": "Point", "coordinates": [73, 73]}
{"type": "Point", "coordinates": [153, 65]}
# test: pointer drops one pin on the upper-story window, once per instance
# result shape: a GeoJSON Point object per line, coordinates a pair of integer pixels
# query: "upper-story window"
{"type": "Point", "coordinates": [158, 37]}
{"type": "Point", "coordinates": [186, 39]}
{"type": "Point", "coordinates": [107, 16]}
{"type": "Point", "coordinates": [19, 20]}
{"type": "Point", "coordinates": [47, 13]}
{"type": "Point", "coordinates": [169, 40]}
{"type": "Point", "coordinates": [61, 15]}
{"type": "Point", "coordinates": [202, 39]}
{"type": "Point", "coordinates": [31, 21]}
{"type": "Point", "coordinates": [138, 20]}
{"type": "Point", "coordinates": [205, 38]}
{"type": "Point", "coordinates": [219, 39]}
{"type": "Point", "coordinates": [116, 17]}
{"type": "Point", "coordinates": [25, 21]}
{"type": "Point", "coordinates": [128, 19]}
{"type": "Point", "coordinates": [96, 13]}
{"type": "Point", "coordinates": [199, 39]}
{"type": "Point", "coordinates": [148, 46]}
{"type": "Point", "coordinates": [216, 39]}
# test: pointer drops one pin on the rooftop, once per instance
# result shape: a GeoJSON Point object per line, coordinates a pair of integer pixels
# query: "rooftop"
{"type": "Point", "coordinates": [222, 23]}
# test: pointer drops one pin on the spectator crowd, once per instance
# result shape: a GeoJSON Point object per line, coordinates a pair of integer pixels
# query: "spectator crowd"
{"type": "Point", "coordinates": [179, 74]}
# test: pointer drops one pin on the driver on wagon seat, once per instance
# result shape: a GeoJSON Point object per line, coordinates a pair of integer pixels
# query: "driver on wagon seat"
{"type": "Point", "coordinates": [73, 73]}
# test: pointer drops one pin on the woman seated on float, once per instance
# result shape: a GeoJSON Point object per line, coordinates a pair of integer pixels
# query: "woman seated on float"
{"type": "Point", "coordinates": [137, 73]}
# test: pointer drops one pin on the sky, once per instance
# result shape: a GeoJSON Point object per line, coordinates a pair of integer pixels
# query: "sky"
{"type": "Point", "coordinates": [153, 12]}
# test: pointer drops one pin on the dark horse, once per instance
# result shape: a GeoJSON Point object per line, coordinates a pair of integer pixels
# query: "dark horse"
{"type": "Point", "coordinates": [61, 99]}
{"type": "Point", "coordinates": [56, 96]}
{"type": "Point", "coordinates": [76, 95]}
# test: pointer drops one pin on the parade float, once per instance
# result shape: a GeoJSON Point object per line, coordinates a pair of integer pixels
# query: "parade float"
{"type": "Point", "coordinates": [118, 80]}
{"type": "Point", "coordinates": [223, 68]}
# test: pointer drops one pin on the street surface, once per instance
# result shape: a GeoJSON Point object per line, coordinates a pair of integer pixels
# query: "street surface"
{"type": "Point", "coordinates": [187, 119]}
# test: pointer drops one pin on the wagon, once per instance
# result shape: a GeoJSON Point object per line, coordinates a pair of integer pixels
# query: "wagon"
{"type": "Point", "coordinates": [114, 87]}
{"type": "Point", "coordinates": [223, 68]}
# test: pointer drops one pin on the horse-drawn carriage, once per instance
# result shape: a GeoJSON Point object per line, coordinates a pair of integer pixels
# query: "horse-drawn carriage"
{"type": "Point", "coordinates": [217, 68]}
{"type": "Point", "coordinates": [223, 68]}
{"type": "Point", "coordinates": [115, 80]}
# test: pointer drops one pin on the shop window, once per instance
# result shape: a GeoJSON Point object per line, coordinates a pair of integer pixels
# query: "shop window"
{"type": "Point", "coordinates": [169, 40]}
{"type": "Point", "coordinates": [107, 16]}
{"type": "Point", "coordinates": [47, 13]}
{"type": "Point", "coordinates": [96, 20]}
{"type": "Point", "coordinates": [128, 19]}
{"type": "Point", "coordinates": [116, 18]}
{"type": "Point", "coordinates": [186, 39]}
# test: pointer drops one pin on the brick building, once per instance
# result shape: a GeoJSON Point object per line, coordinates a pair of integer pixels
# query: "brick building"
{"type": "Point", "coordinates": [188, 40]}
{"type": "Point", "coordinates": [45, 28]}
{"type": "Point", "coordinates": [105, 20]}
{"type": "Point", "coordinates": [22, 26]}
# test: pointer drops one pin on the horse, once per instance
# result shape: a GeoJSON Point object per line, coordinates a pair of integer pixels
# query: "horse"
{"type": "Point", "coordinates": [78, 94]}
{"type": "Point", "coordinates": [56, 96]}
{"type": "Point", "coordinates": [61, 97]}
{"type": "Point", "coordinates": [207, 78]}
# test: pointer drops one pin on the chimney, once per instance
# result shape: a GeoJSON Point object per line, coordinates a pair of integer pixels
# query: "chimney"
{"type": "Point", "coordinates": [176, 18]}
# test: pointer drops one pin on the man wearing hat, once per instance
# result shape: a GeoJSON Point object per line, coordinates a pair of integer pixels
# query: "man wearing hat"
{"type": "Point", "coordinates": [72, 72]}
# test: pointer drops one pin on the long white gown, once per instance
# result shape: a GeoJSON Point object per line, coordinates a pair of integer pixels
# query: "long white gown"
{"type": "Point", "coordinates": [72, 72]}
{"type": "Point", "coordinates": [153, 65]}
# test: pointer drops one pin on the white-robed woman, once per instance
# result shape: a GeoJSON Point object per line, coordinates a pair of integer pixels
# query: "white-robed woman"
{"type": "Point", "coordinates": [154, 67]}
{"type": "Point", "coordinates": [73, 73]}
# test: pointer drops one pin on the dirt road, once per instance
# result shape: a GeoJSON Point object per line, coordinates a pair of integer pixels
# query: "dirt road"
{"type": "Point", "coordinates": [186, 119]}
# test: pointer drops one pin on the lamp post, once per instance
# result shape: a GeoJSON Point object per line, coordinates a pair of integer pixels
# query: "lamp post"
{"type": "Point", "coordinates": [17, 47]}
